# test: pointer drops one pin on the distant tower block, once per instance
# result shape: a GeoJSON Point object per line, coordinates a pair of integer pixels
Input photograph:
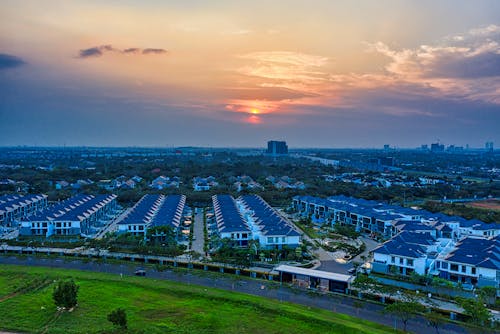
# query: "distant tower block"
{"type": "Point", "coordinates": [276, 148]}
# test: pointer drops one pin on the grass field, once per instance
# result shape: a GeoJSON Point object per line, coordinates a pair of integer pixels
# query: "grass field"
{"type": "Point", "coordinates": [154, 306]}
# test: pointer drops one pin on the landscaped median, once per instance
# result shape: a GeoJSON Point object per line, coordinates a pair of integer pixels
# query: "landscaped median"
{"type": "Point", "coordinates": [154, 306]}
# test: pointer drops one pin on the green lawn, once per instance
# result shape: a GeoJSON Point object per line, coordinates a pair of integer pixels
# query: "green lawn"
{"type": "Point", "coordinates": [154, 306]}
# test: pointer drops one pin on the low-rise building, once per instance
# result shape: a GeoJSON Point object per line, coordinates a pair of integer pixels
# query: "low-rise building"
{"type": "Point", "coordinates": [267, 225]}
{"type": "Point", "coordinates": [74, 216]}
{"type": "Point", "coordinates": [204, 184]}
{"type": "Point", "coordinates": [473, 260]}
{"type": "Point", "coordinates": [18, 207]}
{"type": "Point", "coordinates": [164, 182]}
{"type": "Point", "coordinates": [151, 211]}
{"type": "Point", "coordinates": [229, 221]}
{"type": "Point", "coordinates": [388, 220]}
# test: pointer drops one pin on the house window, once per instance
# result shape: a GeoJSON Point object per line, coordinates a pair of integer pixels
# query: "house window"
{"type": "Point", "coordinates": [444, 265]}
{"type": "Point", "coordinates": [464, 269]}
{"type": "Point", "coordinates": [141, 227]}
{"type": "Point", "coordinates": [409, 262]}
{"type": "Point", "coordinates": [454, 267]}
{"type": "Point", "coordinates": [269, 240]}
{"type": "Point", "coordinates": [438, 264]}
{"type": "Point", "coordinates": [283, 239]}
{"type": "Point", "coordinates": [400, 260]}
{"type": "Point", "coordinates": [393, 259]}
{"type": "Point", "coordinates": [473, 270]}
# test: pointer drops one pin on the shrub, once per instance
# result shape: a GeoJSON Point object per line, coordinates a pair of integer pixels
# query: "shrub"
{"type": "Point", "coordinates": [119, 318]}
{"type": "Point", "coordinates": [65, 294]}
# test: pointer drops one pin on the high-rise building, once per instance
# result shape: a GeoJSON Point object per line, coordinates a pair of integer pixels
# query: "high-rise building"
{"type": "Point", "coordinates": [436, 147]}
{"type": "Point", "coordinates": [277, 147]}
{"type": "Point", "coordinates": [488, 146]}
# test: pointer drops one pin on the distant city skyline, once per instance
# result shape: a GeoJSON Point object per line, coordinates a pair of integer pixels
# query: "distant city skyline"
{"type": "Point", "coordinates": [319, 74]}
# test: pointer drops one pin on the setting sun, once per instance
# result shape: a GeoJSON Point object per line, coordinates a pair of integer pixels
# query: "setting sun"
{"type": "Point", "coordinates": [255, 111]}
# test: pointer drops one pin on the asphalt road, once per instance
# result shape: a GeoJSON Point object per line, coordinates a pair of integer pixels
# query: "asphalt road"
{"type": "Point", "coordinates": [335, 303]}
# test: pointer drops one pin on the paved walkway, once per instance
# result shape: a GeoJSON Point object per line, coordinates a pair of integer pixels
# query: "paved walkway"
{"type": "Point", "coordinates": [198, 235]}
{"type": "Point", "coordinates": [113, 225]}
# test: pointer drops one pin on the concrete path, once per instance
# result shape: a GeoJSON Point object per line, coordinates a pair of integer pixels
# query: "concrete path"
{"type": "Point", "coordinates": [198, 234]}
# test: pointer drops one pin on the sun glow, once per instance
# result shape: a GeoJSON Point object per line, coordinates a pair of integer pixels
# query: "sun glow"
{"type": "Point", "coordinates": [255, 111]}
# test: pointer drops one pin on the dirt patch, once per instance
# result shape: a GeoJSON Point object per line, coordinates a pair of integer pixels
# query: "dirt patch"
{"type": "Point", "coordinates": [490, 204]}
{"type": "Point", "coordinates": [157, 314]}
{"type": "Point", "coordinates": [4, 298]}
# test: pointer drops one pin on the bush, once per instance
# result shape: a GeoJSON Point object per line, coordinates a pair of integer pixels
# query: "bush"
{"type": "Point", "coordinates": [65, 294]}
{"type": "Point", "coordinates": [119, 318]}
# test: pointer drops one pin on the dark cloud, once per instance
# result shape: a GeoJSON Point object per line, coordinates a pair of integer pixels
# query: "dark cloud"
{"type": "Point", "coordinates": [467, 67]}
{"type": "Point", "coordinates": [98, 51]}
{"type": "Point", "coordinates": [8, 61]}
{"type": "Point", "coordinates": [153, 51]}
{"type": "Point", "coordinates": [132, 50]}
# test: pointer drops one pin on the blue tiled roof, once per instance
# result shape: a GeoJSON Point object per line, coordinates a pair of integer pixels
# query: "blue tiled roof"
{"type": "Point", "coordinates": [477, 252]}
{"type": "Point", "coordinates": [170, 212]}
{"type": "Point", "coordinates": [71, 208]}
{"type": "Point", "coordinates": [8, 201]}
{"type": "Point", "coordinates": [143, 211]}
{"type": "Point", "coordinates": [407, 244]}
{"type": "Point", "coordinates": [227, 215]}
{"type": "Point", "coordinates": [413, 225]}
{"type": "Point", "coordinates": [271, 222]}
{"type": "Point", "coordinates": [382, 211]}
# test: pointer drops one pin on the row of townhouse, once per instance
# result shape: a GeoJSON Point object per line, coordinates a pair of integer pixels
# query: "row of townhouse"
{"type": "Point", "coordinates": [17, 207]}
{"type": "Point", "coordinates": [387, 220]}
{"type": "Point", "coordinates": [471, 260]}
{"type": "Point", "coordinates": [77, 215]}
{"type": "Point", "coordinates": [251, 218]}
{"type": "Point", "coordinates": [151, 211]}
{"type": "Point", "coordinates": [229, 222]}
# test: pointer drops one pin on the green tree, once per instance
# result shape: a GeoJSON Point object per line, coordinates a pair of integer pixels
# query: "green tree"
{"type": "Point", "coordinates": [65, 294]}
{"type": "Point", "coordinates": [476, 310]}
{"type": "Point", "coordinates": [358, 305]}
{"type": "Point", "coordinates": [119, 318]}
{"type": "Point", "coordinates": [434, 320]}
{"type": "Point", "coordinates": [404, 311]}
{"type": "Point", "coordinates": [488, 294]}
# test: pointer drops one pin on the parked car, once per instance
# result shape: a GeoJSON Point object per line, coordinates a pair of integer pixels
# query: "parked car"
{"type": "Point", "coordinates": [140, 272]}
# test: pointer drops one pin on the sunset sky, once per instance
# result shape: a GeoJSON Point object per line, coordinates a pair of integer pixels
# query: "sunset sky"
{"type": "Point", "coordinates": [239, 73]}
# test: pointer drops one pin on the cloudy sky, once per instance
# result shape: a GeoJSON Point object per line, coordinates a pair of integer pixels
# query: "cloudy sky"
{"type": "Point", "coordinates": [237, 73]}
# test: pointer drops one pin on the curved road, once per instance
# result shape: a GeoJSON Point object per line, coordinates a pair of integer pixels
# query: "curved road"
{"type": "Point", "coordinates": [335, 303]}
